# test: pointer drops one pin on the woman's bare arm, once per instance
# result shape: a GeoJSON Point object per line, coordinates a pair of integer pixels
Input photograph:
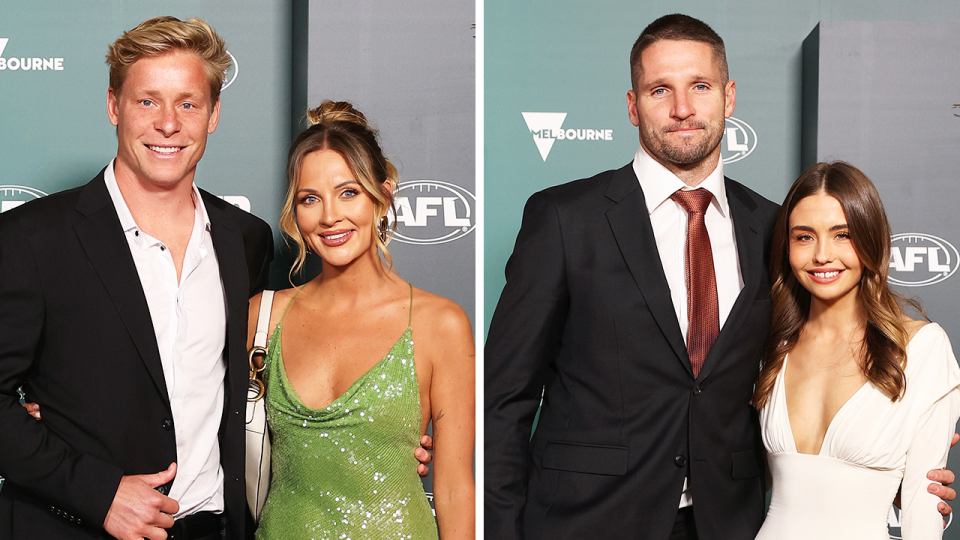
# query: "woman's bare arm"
{"type": "Point", "coordinates": [450, 349]}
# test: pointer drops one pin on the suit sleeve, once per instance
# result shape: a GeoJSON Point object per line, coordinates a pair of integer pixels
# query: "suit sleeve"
{"type": "Point", "coordinates": [31, 456]}
{"type": "Point", "coordinates": [522, 342]}
{"type": "Point", "coordinates": [259, 248]}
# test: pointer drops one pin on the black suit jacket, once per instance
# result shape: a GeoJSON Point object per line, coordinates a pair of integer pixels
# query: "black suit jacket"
{"type": "Point", "coordinates": [586, 321]}
{"type": "Point", "coordinates": [76, 330]}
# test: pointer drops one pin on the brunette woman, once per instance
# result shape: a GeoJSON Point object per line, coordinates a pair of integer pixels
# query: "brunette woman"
{"type": "Point", "coordinates": [855, 397]}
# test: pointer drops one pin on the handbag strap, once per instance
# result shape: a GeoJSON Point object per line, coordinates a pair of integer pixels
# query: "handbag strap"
{"type": "Point", "coordinates": [257, 388]}
{"type": "Point", "coordinates": [263, 320]}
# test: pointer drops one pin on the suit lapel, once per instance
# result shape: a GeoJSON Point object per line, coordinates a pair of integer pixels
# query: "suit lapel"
{"type": "Point", "coordinates": [228, 243]}
{"type": "Point", "coordinates": [231, 259]}
{"type": "Point", "coordinates": [102, 240]}
{"type": "Point", "coordinates": [750, 254]}
{"type": "Point", "coordinates": [630, 222]}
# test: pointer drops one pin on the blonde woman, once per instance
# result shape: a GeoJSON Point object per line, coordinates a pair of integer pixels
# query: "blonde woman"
{"type": "Point", "coordinates": [361, 361]}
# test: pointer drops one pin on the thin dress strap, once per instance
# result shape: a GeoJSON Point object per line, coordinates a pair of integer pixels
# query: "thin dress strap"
{"type": "Point", "coordinates": [290, 303]}
{"type": "Point", "coordinates": [410, 314]}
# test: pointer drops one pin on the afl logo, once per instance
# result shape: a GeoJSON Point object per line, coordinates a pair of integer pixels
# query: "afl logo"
{"type": "Point", "coordinates": [919, 259]}
{"type": "Point", "coordinates": [433, 212]}
{"type": "Point", "coordinates": [13, 196]}
{"type": "Point", "coordinates": [739, 140]}
{"type": "Point", "coordinates": [231, 72]}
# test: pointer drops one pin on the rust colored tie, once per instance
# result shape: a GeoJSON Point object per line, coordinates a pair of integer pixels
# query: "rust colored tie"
{"type": "Point", "coordinates": [703, 311]}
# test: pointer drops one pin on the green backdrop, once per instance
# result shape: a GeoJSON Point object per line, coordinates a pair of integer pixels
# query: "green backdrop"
{"type": "Point", "coordinates": [572, 59]}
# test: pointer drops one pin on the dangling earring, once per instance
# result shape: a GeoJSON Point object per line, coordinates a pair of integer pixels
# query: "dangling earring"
{"type": "Point", "coordinates": [382, 229]}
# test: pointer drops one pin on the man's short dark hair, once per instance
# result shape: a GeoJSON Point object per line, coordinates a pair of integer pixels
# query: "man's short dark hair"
{"type": "Point", "coordinates": [676, 27]}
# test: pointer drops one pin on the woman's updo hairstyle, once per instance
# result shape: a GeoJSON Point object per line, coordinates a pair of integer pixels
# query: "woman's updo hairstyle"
{"type": "Point", "coordinates": [338, 126]}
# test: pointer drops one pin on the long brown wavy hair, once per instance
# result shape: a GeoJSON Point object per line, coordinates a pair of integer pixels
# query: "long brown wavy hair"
{"type": "Point", "coordinates": [883, 349]}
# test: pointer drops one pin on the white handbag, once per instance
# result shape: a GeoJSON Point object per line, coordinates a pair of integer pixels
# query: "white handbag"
{"type": "Point", "coordinates": [258, 439]}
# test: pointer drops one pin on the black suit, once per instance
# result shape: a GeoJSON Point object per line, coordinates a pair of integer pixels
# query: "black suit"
{"type": "Point", "coordinates": [76, 329]}
{"type": "Point", "coordinates": [586, 319]}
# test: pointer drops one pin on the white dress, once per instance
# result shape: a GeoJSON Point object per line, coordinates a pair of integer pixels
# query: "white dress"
{"type": "Point", "coordinates": [871, 445]}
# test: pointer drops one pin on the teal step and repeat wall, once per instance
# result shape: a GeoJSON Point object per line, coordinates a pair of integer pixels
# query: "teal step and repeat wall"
{"type": "Point", "coordinates": [875, 82]}
{"type": "Point", "coordinates": [409, 67]}
{"type": "Point", "coordinates": [54, 131]}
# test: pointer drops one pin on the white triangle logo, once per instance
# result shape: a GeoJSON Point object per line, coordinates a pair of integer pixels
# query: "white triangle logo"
{"type": "Point", "coordinates": [537, 122]}
{"type": "Point", "coordinates": [3, 44]}
{"type": "Point", "coordinates": [893, 519]}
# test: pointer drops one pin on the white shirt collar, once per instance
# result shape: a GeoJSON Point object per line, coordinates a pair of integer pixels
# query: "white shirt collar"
{"type": "Point", "coordinates": [658, 183]}
{"type": "Point", "coordinates": [123, 211]}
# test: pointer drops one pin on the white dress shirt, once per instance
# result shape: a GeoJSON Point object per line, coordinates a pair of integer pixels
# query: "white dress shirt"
{"type": "Point", "coordinates": [669, 221]}
{"type": "Point", "coordinates": [190, 321]}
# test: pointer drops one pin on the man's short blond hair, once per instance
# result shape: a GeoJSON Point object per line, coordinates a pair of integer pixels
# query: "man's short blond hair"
{"type": "Point", "coordinates": [161, 35]}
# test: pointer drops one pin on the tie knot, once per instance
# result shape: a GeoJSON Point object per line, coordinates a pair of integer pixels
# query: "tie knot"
{"type": "Point", "coordinates": [693, 201]}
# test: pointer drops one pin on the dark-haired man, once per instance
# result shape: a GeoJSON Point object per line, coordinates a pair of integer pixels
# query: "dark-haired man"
{"type": "Point", "coordinates": [636, 308]}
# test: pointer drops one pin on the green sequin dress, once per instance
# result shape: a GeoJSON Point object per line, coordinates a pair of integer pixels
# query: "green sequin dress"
{"type": "Point", "coordinates": [347, 471]}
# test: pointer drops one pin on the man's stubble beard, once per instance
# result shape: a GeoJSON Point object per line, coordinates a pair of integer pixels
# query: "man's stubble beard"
{"type": "Point", "coordinates": [655, 142]}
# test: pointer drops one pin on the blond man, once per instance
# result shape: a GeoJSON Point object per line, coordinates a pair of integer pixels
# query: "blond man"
{"type": "Point", "coordinates": [123, 306]}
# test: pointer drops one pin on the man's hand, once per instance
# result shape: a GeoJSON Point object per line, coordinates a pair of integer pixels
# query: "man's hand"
{"type": "Point", "coordinates": [140, 511]}
{"type": "Point", "coordinates": [423, 456]}
{"type": "Point", "coordinates": [33, 409]}
{"type": "Point", "coordinates": [945, 477]}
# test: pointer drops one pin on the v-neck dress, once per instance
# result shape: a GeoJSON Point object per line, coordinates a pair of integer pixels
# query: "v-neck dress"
{"type": "Point", "coordinates": [871, 445]}
{"type": "Point", "coordinates": [347, 471]}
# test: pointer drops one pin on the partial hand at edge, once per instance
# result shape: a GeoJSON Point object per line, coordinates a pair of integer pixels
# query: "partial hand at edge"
{"type": "Point", "coordinates": [139, 510]}
{"type": "Point", "coordinates": [33, 409]}
{"type": "Point", "coordinates": [423, 455]}
{"type": "Point", "coordinates": [944, 491]}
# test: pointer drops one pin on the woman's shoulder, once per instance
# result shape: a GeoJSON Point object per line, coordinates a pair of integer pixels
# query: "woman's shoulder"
{"type": "Point", "coordinates": [281, 297]}
{"type": "Point", "coordinates": [929, 350]}
{"type": "Point", "coordinates": [441, 327]}
{"type": "Point", "coordinates": [913, 326]}
{"type": "Point", "coordinates": [924, 335]}
{"type": "Point", "coordinates": [443, 334]}
{"type": "Point", "coordinates": [280, 301]}
{"type": "Point", "coordinates": [442, 313]}
{"type": "Point", "coordinates": [932, 371]}
{"type": "Point", "coordinates": [284, 295]}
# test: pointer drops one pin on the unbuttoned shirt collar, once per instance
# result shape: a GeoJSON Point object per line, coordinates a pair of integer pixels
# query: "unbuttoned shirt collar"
{"type": "Point", "coordinates": [658, 183]}
{"type": "Point", "coordinates": [189, 321]}
{"type": "Point", "coordinates": [126, 218]}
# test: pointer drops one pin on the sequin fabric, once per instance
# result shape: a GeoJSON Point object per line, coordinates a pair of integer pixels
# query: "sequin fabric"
{"type": "Point", "coordinates": [347, 471]}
